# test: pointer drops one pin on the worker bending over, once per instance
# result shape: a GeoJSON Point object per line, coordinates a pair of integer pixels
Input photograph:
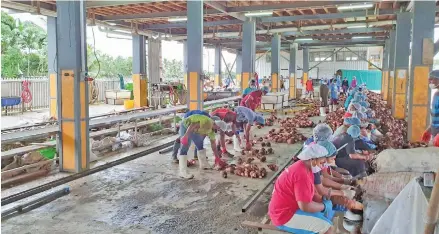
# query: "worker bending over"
{"type": "Point", "coordinates": [182, 130]}
{"type": "Point", "coordinates": [293, 206]}
{"type": "Point", "coordinates": [433, 130]}
{"type": "Point", "coordinates": [244, 120]}
{"type": "Point", "coordinates": [195, 128]}
{"type": "Point", "coordinates": [253, 99]}
{"type": "Point", "coordinates": [229, 117]}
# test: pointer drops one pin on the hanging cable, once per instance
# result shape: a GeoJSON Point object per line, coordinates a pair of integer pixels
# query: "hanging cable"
{"type": "Point", "coordinates": [94, 52]}
{"type": "Point", "coordinates": [26, 95]}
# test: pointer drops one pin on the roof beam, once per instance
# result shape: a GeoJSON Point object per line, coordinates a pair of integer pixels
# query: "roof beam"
{"type": "Point", "coordinates": [94, 4]}
{"type": "Point", "coordinates": [223, 9]}
{"type": "Point", "coordinates": [326, 16]}
{"type": "Point", "coordinates": [342, 37]}
{"type": "Point", "coordinates": [349, 30]}
{"type": "Point", "coordinates": [184, 24]}
{"type": "Point", "coordinates": [154, 15]}
{"type": "Point", "coordinates": [344, 42]}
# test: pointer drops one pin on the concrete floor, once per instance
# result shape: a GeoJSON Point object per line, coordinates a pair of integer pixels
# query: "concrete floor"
{"type": "Point", "coordinates": [146, 196]}
{"type": "Point", "coordinates": [37, 116]}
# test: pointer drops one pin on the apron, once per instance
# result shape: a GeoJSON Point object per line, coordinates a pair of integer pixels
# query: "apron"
{"type": "Point", "coordinates": [324, 90]}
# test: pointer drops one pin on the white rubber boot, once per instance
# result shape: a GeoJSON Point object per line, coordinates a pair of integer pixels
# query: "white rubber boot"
{"type": "Point", "coordinates": [322, 111]}
{"type": "Point", "coordinates": [182, 166]}
{"type": "Point", "coordinates": [236, 146]}
{"type": "Point", "coordinates": [202, 160]}
{"type": "Point", "coordinates": [241, 136]}
{"type": "Point", "coordinates": [330, 108]}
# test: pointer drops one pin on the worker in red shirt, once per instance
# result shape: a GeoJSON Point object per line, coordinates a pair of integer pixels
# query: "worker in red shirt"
{"type": "Point", "coordinates": [293, 207]}
{"type": "Point", "coordinates": [253, 99]}
{"type": "Point", "coordinates": [229, 117]}
{"type": "Point", "coordinates": [309, 89]}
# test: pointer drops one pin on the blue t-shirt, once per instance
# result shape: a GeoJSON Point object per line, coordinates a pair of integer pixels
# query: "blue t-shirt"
{"type": "Point", "coordinates": [196, 112]}
{"type": "Point", "coordinates": [333, 89]}
{"type": "Point", "coordinates": [244, 114]}
{"type": "Point", "coordinates": [249, 90]}
{"type": "Point", "coordinates": [435, 110]}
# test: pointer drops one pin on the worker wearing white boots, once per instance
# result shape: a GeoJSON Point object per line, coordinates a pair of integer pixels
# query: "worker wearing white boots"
{"type": "Point", "coordinates": [324, 90]}
{"type": "Point", "coordinates": [245, 119]}
{"type": "Point", "coordinates": [333, 89]}
{"type": "Point", "coordinates": [196, 128]}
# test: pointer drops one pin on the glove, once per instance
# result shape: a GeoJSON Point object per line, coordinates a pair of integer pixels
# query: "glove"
{"type": "Point", "coordinates": [426, 136]}
{"type": "Point", "coordinates": [340, 208]}
{"type": "Point", "coordinates": [184, 140]}
{"type": "Point", "coordinates": [348, 193]}
{"type": "Point", "coordinates": [220, 163]}
{"type": "Point", "coordinates": [328, 212]}
{"type": "Point", "coordinates": [436, 140]}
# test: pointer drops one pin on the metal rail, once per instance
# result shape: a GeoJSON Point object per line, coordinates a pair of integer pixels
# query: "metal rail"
{"type": "Point", "coordinates": [47, 186]}
{"type": "Point", "coordinates": [270, 181]}
{"type": "Point", "coordinates": [37, 133]}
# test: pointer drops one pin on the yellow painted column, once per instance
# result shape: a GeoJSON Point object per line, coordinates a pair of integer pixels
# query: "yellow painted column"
{"type": "Point", "coordinates": [195, 92]}
{"type": "Point", "coordinates": [400, 102]}
{"type": "Point", "coordinates": [218, 81]}
{"type": "Point", "coordinates": [274, 83]}
{"type": "Point", "coordinates": [245, 80]}
{"type": "Point", "coordinates": [71, 138]}
{"type": "Point", "coordinates": [385, 86]}
{"type": "Point", "coordinates": [140, 90]}
{"type": "Point", "coordinates": [304, 80]}
{"type": "Point", "coordinates": [390, 89]}
{"type": "Point", "coordinates": [53, 94]}
{"type": "Point", "coordinates": [292, 89]}
{"type": "Point", "coordinates": [420, 100]}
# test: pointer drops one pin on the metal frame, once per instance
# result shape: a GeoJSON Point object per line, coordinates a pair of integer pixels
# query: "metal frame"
{"type": "Point", "coordinates": [332, 54]}
{"type": "Point", "coordinates": [364, 59]}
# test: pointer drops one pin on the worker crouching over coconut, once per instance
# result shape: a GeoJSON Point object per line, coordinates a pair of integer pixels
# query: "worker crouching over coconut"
{"type": "Point", "coordinates": [195, 128]}
{"type": "Point", "coordinates": [292, 207]}
{"type": "Point", "coordinates": [229, 117]}
{"type": "Point", "coordinates": [245, 119]}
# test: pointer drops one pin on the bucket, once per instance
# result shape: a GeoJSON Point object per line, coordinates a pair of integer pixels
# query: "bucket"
{"type": "Point", "coordinates": [128, 104]}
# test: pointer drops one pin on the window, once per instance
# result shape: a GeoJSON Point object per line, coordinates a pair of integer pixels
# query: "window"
{"type": "Point", "coordinates": [349, 56]}
{"type": "Point", "coordinates": [320, 56]}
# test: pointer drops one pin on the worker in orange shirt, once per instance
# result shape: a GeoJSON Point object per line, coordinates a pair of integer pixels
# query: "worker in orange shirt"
{"type": "Point", "coordinates": [253, 99]}
{"type": "Point", "coordinates": [309, 89]}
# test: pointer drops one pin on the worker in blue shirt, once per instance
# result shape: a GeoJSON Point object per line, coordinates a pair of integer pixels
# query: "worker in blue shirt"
{"type": "Point", "coordinates": [333, 90]}
{"type": "Point", "coordinates": [433, 130]}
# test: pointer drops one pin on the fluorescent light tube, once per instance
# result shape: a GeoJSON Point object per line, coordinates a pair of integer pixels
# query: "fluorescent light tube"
{"type": "Point", "coordinates": [351, 7]}
{"type": "Point", "coordinates": [261, 13]}
{"type": "Point", "coordinates": [365, 37]}
{"type": "Point", "coordinates": [357, 26]}
{"type": "Point", "coordinates": [181, 19]}
{"type": "Point", "coordinates": [303, 39]}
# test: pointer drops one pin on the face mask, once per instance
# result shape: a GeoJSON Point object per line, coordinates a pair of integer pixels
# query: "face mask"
{"type": "Point", "coordinates": [316, 169]}
{"type": "Point", "coordinates": [432, 86]}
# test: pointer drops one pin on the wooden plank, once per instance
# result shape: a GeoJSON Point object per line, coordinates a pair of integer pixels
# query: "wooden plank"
{"type": "Point", "coordinates": [261, 226]}
{"type": "Point", "coordinates": [26, 149]}
{"type": "Point", "coordinates": [10, 173]}
{"type": "Point", "coordinates": [23, 178]}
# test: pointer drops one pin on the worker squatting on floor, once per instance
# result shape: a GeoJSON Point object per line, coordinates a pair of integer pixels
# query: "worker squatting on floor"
{"type": "Point", "coordinates": [197, 124]}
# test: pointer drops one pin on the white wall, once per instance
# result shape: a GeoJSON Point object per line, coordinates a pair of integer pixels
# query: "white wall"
{"type": "Point", "coordinates": [324, 69]}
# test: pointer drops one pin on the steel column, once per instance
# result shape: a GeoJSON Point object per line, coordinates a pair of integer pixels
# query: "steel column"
{"type": "Point", "coordinates": [154, 61]}
{"type": "Point", "coordinates": [185, 63]}
{"type": "Point", "coordinates": [72, 88]}
{"type": "Point", "coordinates": [217, 67]}
{"type": "Point", "coordinates": [420, 66]}
{"type": "Point", "coordinates": [391, 68]}
{"type": "Point", "coordinates": [385, 71]}
{"type": "Point", "coordinates": [275, 63]}
{"type": "Point", "coordinates": [139, 71]}
{"type": "Point", "coordinates": [248, 52]}
{"type": "Point", "coordinates": [292, 71]}
{"type": "Point", "coordinates": [402, 54]}
{"type": "Point", "coordinates": [51, 62]}
{"type": "Point", "coordinates": [238, 67]}
{"type": "Point", "coordinates": [195, 62]}
{"type": "Point", "coordinates": [305, 68]}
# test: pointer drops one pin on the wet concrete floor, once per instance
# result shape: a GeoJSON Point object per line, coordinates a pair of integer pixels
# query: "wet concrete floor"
{"type": "Point", "coordinates": [147, 196]}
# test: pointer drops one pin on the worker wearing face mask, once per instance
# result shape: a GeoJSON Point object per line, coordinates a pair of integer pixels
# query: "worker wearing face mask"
{"type": "Point", "coordinates": [293, 207]}
{"type": "Point", "coordinates": [251, 87]}
{"type": "Point", "coordinates": [347, 122]}
{"type": "Point", "coordinates": [432, 132]}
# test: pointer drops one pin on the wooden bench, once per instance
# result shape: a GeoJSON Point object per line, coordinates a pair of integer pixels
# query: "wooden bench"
{"type": "Point", "coordinates": [261, 226]}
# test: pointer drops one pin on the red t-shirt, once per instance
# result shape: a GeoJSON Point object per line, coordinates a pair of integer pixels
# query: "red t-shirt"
{"type": "Point", "coordinates": [254, 100]}
{"type": "Point", "coordinates": [347, 115]}
{"type": "Point", "coordinates": [294, 184]}
{"type": "Point", "coordinates": [221, 113]}
{"type": "Point", "coordinates": [309, 85]}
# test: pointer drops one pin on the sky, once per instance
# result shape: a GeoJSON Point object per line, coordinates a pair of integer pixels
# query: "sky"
{"type": "Point", "coordinates": [106, 43]}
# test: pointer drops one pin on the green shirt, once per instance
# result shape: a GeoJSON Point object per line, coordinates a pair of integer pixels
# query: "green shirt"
{"type": "Point", "coordinates": [205, 122]}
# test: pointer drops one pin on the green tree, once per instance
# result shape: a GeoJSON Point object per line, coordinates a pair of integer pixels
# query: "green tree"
{"type": "Point", "coordinates": [173, 69]}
